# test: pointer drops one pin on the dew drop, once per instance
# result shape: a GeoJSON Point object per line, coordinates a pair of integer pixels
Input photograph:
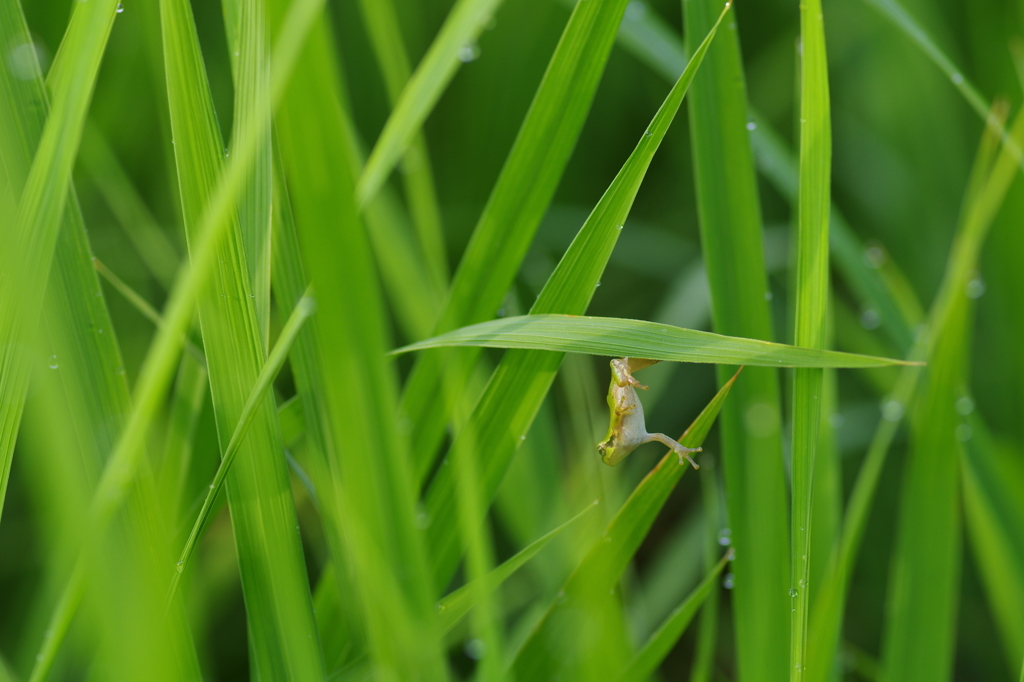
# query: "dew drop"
{"type": "Point", "coordinates": [965, 405]}
{"type": "Point", "coordinates": [729, 581]}
{"type": "Point", "coordinates": [957, 78]}
{"type": "Point", "coordinates": [964, 432]}
{"type": "Point", "coordinates": [469, 52]}
{"type": "Point", "coordinates": [892, 411]}
{"type": "Point", "coordinates": [751, 125]}
{"type": "Point", "coordinates": [836, 421]}
{"type": "Point", "coordinates": [120, 8]}
{"type": "Point", "coordinates": [975, 287]}
{"type": "Point", "coordinates": [870, 319]}
{"type": "Point", "coordinates": [768, 296]}
{"type": "Point", "coordinates": [648, 134]}
{"type": "Point", "coordinates": [874, 257]}
{"type": "Point", "coordinates": [792, 592]}
{"type": "Point", "coordinates": [53, 362]}
{"type": "Point", "coordinates": [725, 537]}
{"type": "Point", "coordinates": [598, 283]}
{"type": "Point", "coordinates": [475, 649]}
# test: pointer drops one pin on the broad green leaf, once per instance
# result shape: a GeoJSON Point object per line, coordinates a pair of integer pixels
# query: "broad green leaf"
{"type": "Point", "coordinates": [733, 249]}
{"type": "Point", "coordinates": [464, 23]}
{"type": "Point", "coordinates": [510, 218]}
{"type": "Point", "coordinates": [811, 305]}
{"type": "Point", "coordinates": [547, 650]}
{"type": "Point", "coordinates": [373, 497]}
{"type": "Point", "coordinates": [618, 337]}
{"type": "Point", "coordinates": [659, 644]}
{"type": "Point", "coordinates": [457, 604]}
{"type": "Point", "coordinates": [517, 388]}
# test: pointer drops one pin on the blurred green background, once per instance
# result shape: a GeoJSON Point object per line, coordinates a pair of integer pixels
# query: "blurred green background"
{"type": "Point", "coordinates": [903, 143]}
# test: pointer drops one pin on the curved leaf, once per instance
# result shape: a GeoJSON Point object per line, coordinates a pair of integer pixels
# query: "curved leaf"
{"type": "Point", "coordinates": [619, 337]}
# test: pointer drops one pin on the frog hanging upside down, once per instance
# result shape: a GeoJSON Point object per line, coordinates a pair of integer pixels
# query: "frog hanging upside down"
{"type": "Point", "coordinates": [627, 430]}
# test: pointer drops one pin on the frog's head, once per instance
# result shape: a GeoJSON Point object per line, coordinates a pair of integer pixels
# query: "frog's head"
{"type": "Point", "coordinates": [610, 454]}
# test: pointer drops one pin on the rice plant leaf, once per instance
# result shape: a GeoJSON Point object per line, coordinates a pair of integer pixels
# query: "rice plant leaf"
{"type": "Point", "coordinates": [464, 23]}
{"type": "Point", "coordinates": [124, 463]}
{"type": "Point", "coordinates": [993, 496]}
{"type": "Point", "coordinates": [811, 304]}
{"type": "Point", "coordinates": [517, 388]}
{"type": "Point", "coordinates": [827, 611]}
{"type": "Point", "coordinates": [619, 337]}
{"type": "Point", "coordinates": [923, 591]}
{"type": "Point", "coordinates": [510, 218]}
{"type": "Point", "coordinates": [454, 607]}
{"type": "Point", "coordinates": [41, 186]}
{"type": "Point", "coordinates": [546, 649]}
{"type": "Point", "coordinates": [646, 661]}
{"type": "Point", "coordinates": [646, 36]}
{"type": "Point", "coordinates": [902, 19]}
{"type": "Point", "coordinates": [278, 355]}
{"type": "Point", "coordinates": [372, 497]}
{"type": "Point", "coordinates": [386, 39]}
{"type": "Point", "coordinates": [733, 250]}
{"type": "Point", "coordinates": [248, 40]}
{"type": "Point", "coordinates": [86, 359]}
{"type": "Point", "coordinates": [274, 580]}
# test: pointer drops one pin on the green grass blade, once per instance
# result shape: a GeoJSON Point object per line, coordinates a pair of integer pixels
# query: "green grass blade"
{"type": "Point", "coordinates": [305, 415]}
{"type": "Point", "coordinates": [373, 498]}
{"type": "Point", "coordinates": [707, 635]}
{"type": "Point", "coordinates": [187, 400]}
{"type": "Point", "coordinates": [464, 23]}
{"type": "Point", "coordinates": [31, 237]}
{"type": "Point", "coordinates": [993, 486]}
{"type": "Point", "coordinates": [650, 40]}
{"type": "Point", "coordinates": [513, 212]}
{"type": "Point", "coordinates": [618, 337]}
{"type": "Point", "coordinates": [454, 607]}
{"type": "Point", "coordinates": [386, 39]}
{"type": "Point", "coordinates": [899, 16]}
{"type": "Point", "coordinates": [278, 605]}
{"type": "Point", "coordinates": [517, 388]}
{"type": "Point", "coordinates": [111, 179]}
{"type": "Point", "coordinates": [924, 583]}
{"type": "Point", "coordinates": [123, 465]}
{"type": "Point", "coordinates": [546, 650]}
{"type": "Point", "coordinates": [811, 303]}
{"type": "Point", "coordinates": [732, 243]}
{"type": "Point", "coordinates": [87, 359]}
{"type": "Point", "coordinates": [659, 644]}
{"type": "Point", "coordinates": [252, 84]}
{"type": "Point", "coordinates": [278, 354]}
{"type": "Point", "coordinates": [827, 613]}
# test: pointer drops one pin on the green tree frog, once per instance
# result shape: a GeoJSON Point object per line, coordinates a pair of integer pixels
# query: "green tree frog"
{"type": "Point", "coordinates": [627, 429]}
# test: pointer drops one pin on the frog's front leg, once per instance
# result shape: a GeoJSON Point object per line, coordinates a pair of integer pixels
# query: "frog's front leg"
{"type": "Point", "coordinates": [622, 375]}
{"type": "Point", "coordinates": [680, 450]}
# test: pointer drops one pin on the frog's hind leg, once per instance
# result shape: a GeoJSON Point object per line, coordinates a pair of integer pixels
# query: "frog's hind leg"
{"type": "Point", "coordinates": [680, 450]}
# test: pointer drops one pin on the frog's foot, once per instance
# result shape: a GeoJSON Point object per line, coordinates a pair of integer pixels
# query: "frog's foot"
{"type": "Point", "coordinates": [681, 451]}
{"type": "Point", "coordinates": [622, 375]}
